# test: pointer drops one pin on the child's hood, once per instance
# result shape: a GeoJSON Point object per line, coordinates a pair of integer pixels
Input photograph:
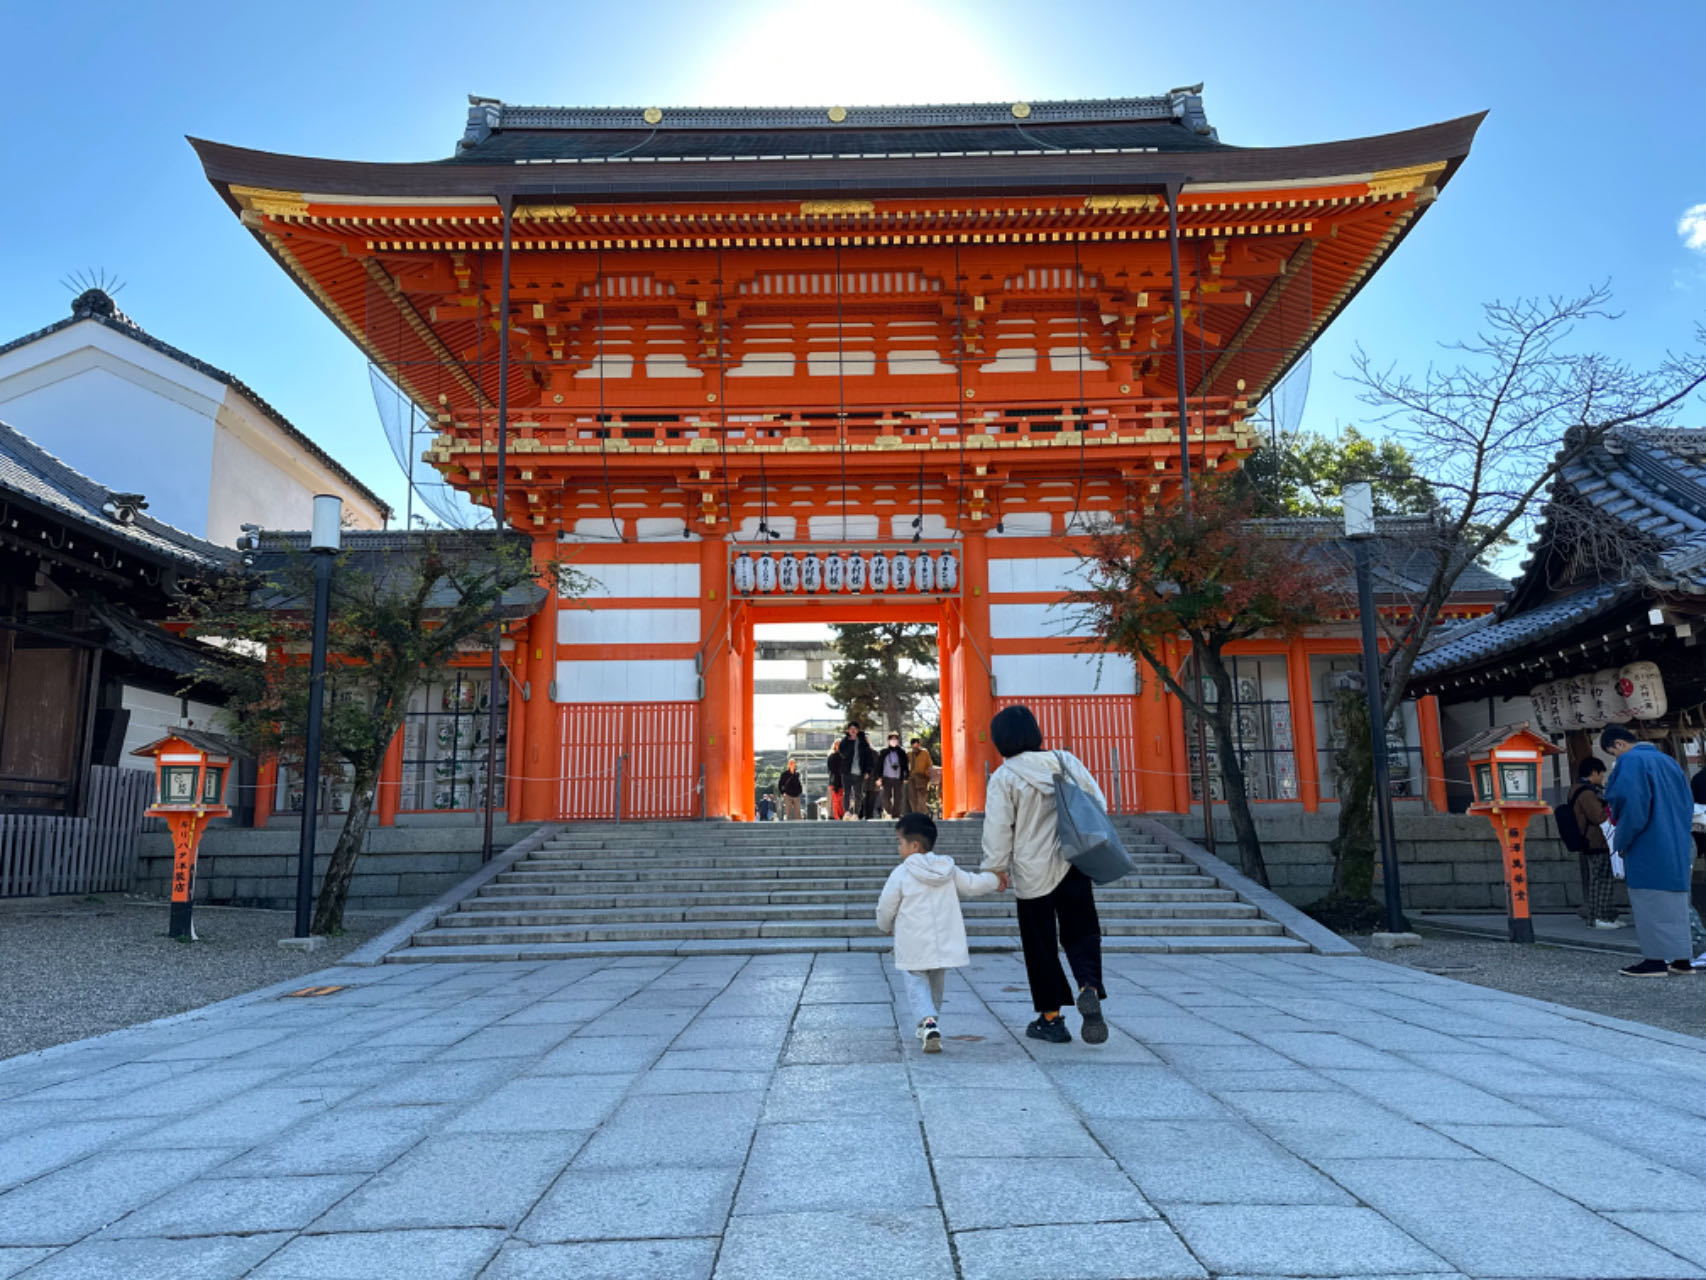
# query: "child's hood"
{"type": "Point", "coordinates": [930, 868]}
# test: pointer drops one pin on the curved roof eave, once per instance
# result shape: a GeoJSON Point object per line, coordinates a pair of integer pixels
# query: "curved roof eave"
{"type": "Point", "coordinates": [872, 175]}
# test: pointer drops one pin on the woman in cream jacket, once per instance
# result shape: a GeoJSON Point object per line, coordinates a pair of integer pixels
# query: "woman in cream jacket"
{"type": "Point", "coordinates": [1057, 904]}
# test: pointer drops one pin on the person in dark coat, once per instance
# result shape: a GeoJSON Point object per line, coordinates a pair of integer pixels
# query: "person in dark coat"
{"type": "Point", "coordinates": [858, 769]}
{"type": "Point", "coordinates": [892, 768]}
{"type": "Point", "coordinates": [1587, 802]}
{"type": "Point", "coordinates": [791, 787]}
{"type": "Point", "coordinates": [837, 796]}
{"type": "Point", "coordinates": [1652, 812]}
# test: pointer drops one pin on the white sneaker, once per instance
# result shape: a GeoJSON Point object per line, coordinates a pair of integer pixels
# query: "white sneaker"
{"type": "Point", "coordinates": [1609, 924]}
{"type": "Point", "coordinates": [931, 1037]}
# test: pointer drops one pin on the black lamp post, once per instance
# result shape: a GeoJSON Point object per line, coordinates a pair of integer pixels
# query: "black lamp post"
{"type": "Point", "coordinates": [323, 540]}
{"type": "Point", "coordinates": [1359, 528]}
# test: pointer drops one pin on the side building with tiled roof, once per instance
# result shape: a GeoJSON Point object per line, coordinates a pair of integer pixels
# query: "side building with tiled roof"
{"type": "Point", "coordinates": [207, 453]}
{"type": "Point", "coordinates": [1615, 579]}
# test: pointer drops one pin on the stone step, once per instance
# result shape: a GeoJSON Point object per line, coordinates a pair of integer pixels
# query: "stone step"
{"type": "Point", "coordinates": [464, 918]}
{"type": "Point", "coordinates": [1189, 945]}
{"type": "Point", "coordinates": [801, 928]}
{"type": "Point", "coordinates": [589, 881]}
{"type": "Point", "coordinates": [486, 900]}
{"type": "Point", "coordinates": [779, 866]}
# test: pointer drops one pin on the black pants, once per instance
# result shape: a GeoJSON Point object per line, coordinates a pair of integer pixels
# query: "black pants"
{"type": "Point", "coordinates": [1072, 905]}
{"type": "Point", "coordinates": [853, 796]}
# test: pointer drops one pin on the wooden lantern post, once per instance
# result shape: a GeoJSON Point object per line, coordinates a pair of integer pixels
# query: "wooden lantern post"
{"type": "Point", "coordinates": [1504, 770]}
{"type": "Point", "coordinates": [190, 773]}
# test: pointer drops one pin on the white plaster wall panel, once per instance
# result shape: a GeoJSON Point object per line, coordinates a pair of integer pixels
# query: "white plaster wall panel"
{"type": "Point", "coordinates": [838, 527]}
{"type": "Point", "coordinates": [1024, 524]}
{"type": "Point", "coordinates": [638, 581]}
{"type": "Point", "coordinates": [1053, 573]}
{"type": "Point", "coordinates": [1027, 621]}
{"type": "Point", "coordinates": [663, 529]}
{"type": "Point", "coordinates": [124, 435]}
{"type": "Point", "coordinates": [783, 526]}
{"type": "Point", "coordinates": [596, 529]}
{"type": "Point", "coordinates": [935, 527]}
{"type": "Point", "coordinates": [659, 680]}
{"type": "Point", "coordinates": [1041, 675]}
{"type": "Point", "coordinates": [627, 626]}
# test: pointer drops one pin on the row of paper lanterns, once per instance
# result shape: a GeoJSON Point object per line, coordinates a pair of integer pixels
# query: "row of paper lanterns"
{"type": "Point", "coordinates": [1611, 696]}
{"type": "Point", "coordinates": [850, 571]}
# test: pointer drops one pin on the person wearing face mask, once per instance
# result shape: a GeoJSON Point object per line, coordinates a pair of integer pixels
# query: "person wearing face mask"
{"type": "Point", "coordinates": [892, 768]}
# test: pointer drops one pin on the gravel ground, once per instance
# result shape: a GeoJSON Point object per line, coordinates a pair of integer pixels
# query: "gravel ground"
{"type": "Point", "coordinates": [1578, 978]}
{"type": "Point", "coordinates": [76, 967]}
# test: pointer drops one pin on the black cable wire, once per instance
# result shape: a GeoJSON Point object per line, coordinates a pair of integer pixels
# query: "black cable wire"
{"type": "Point", "coordinates": [840, 384]}
{"type": "Point", "coordinates": [1080, 346]}
{"type": "Point", "coordinates": [722, 408]}
{"type": "Point", "coordinates": [603, 425]}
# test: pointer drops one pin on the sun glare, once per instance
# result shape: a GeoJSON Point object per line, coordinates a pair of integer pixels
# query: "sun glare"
{"type": "Point", "coordinates": [884, 51]}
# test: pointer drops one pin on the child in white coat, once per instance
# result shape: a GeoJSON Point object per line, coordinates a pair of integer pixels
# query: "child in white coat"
{"type": "Point", "coordinates": [920, 905]}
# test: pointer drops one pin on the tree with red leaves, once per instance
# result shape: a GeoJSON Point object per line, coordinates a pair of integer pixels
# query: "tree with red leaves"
{"type": "Point", "coordinates": [1211, 574]}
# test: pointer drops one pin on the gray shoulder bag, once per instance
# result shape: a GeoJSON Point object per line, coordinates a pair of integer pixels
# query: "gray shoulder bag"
{"type": "Point", "coordinates": [1087, 836]}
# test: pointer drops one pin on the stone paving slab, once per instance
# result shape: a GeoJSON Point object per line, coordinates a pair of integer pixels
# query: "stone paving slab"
{"type": "Point", "coordinates": [741, 1117]}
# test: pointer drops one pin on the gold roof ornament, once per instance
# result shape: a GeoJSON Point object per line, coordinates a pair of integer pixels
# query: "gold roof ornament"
{"type": "Point", "coordinates": [1021, 111]}
{"type": "Point", "coordinates": [652, 116]}
{"type": "Point", "coordinates": [837, 114]}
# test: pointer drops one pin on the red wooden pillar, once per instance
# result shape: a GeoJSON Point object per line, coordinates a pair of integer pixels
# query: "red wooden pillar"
{"type": "Point", "coordinates": [1303, 726]}
{"type": "Point", "coordinates": [515, 730]}
{"type": "Point", "coordinates": [1154, 743]}
{"type": "Point", "coordinates": [745, 779]}
{"type": "Point", "coordinates": [390, 782]}
{"type": "Point", "coordinates": [945, 639]}
{"type": "Point", "coordinates": [1433, 752]}
{"type": "Point", "coordinates": [716, 725]}
{"type": "Point", "coordinates": [1176, 739]}
{"type": "Point", "coordinates": [535, 755]}
{"type": "Point", "coordinates": [266, 788]}
{"type": "Point", "coordinates": [976, 704]}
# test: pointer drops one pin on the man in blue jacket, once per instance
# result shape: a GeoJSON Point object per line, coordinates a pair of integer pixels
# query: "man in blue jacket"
{"type": "Point", "coordinates": [1653, 810]}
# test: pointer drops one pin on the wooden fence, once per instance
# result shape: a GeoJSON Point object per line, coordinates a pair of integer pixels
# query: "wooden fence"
{"type": "Point", "coordinates": [42, 854]}
{"type": "Point", "coordinates": [657, 744]}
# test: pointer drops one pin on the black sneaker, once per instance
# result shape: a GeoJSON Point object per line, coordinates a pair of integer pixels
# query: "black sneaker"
{"type": "Point", "coordinates": [1646, 969]}
{"type": "Point", "coordinates": [1095, 1028]}
{"type": "Point", "coordinates": [1051, 1029]}
{"type": "Point", "coordinates": [1682, 968]}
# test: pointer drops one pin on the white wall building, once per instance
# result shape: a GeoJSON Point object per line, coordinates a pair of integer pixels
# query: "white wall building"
{"type": "Point", "coordinates": [110, 399]}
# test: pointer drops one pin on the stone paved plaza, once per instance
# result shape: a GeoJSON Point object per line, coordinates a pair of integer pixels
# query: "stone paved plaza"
{"type": "Point", "coordinates": [739, 1117]}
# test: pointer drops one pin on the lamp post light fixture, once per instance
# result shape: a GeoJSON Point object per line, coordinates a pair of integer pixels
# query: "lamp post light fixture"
{"type": "Point", "coordinates": [1360, 529]}
{"type": "Point", "coordinates": [324, 540]}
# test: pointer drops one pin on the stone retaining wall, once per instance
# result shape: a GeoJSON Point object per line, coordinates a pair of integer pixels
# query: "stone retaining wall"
{"type": "Point", "coordinates": [1447, 862]}
{"type": "Point", "coordinates": [400, 869]}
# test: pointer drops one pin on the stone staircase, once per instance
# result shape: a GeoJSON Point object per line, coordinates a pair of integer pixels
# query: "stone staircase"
{"type": "Point", "coordinates": [688, 888]}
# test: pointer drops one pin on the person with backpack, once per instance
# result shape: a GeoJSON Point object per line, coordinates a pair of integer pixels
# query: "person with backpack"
{"type": "Point", "coordinates": [1579, 825]}
{"type": "Point", "coordinates": [1021, 839]}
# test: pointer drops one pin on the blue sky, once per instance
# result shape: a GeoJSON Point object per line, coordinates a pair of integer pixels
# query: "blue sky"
{"type": "Point", "coordinates": [1594, 151]}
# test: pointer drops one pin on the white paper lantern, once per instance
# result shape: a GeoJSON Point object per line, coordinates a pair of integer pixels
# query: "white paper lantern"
{"type": "Point", "coordinates": [766, 574]}
{"type": "Point", "coordinates": [947, 571]}
{"type": "Point", "coordinates": [900, 578]}
{"type": "Point", "coordinates": [924, 573]}
{"type": "Point", "coordinates": [1578, 697]}
{"type": "Point", "coordinates": [1542, 719]}
{"type": "Point", "coordinates": [1609, 704]}
{"type": "Point", "coordinates": [1644, 689]}
{"type": "Point", "coordinates": [879, 576]}
{"type": "Point", "coordinates": [856, 573]}
{"type": "Point", "coordinates": [744, 574]}
{"type": "Point", "coordinates": [811, 575]}
{"type": "Point", "coordinates": [834, 573]}
{"type": "Point", "coordinates": [788, 574]}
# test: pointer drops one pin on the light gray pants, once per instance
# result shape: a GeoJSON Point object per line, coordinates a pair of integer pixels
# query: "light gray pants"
{"type": "Point", "coordinates": [924, 991]}
{"type": "Point", "coordinates": [1661, 923]}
